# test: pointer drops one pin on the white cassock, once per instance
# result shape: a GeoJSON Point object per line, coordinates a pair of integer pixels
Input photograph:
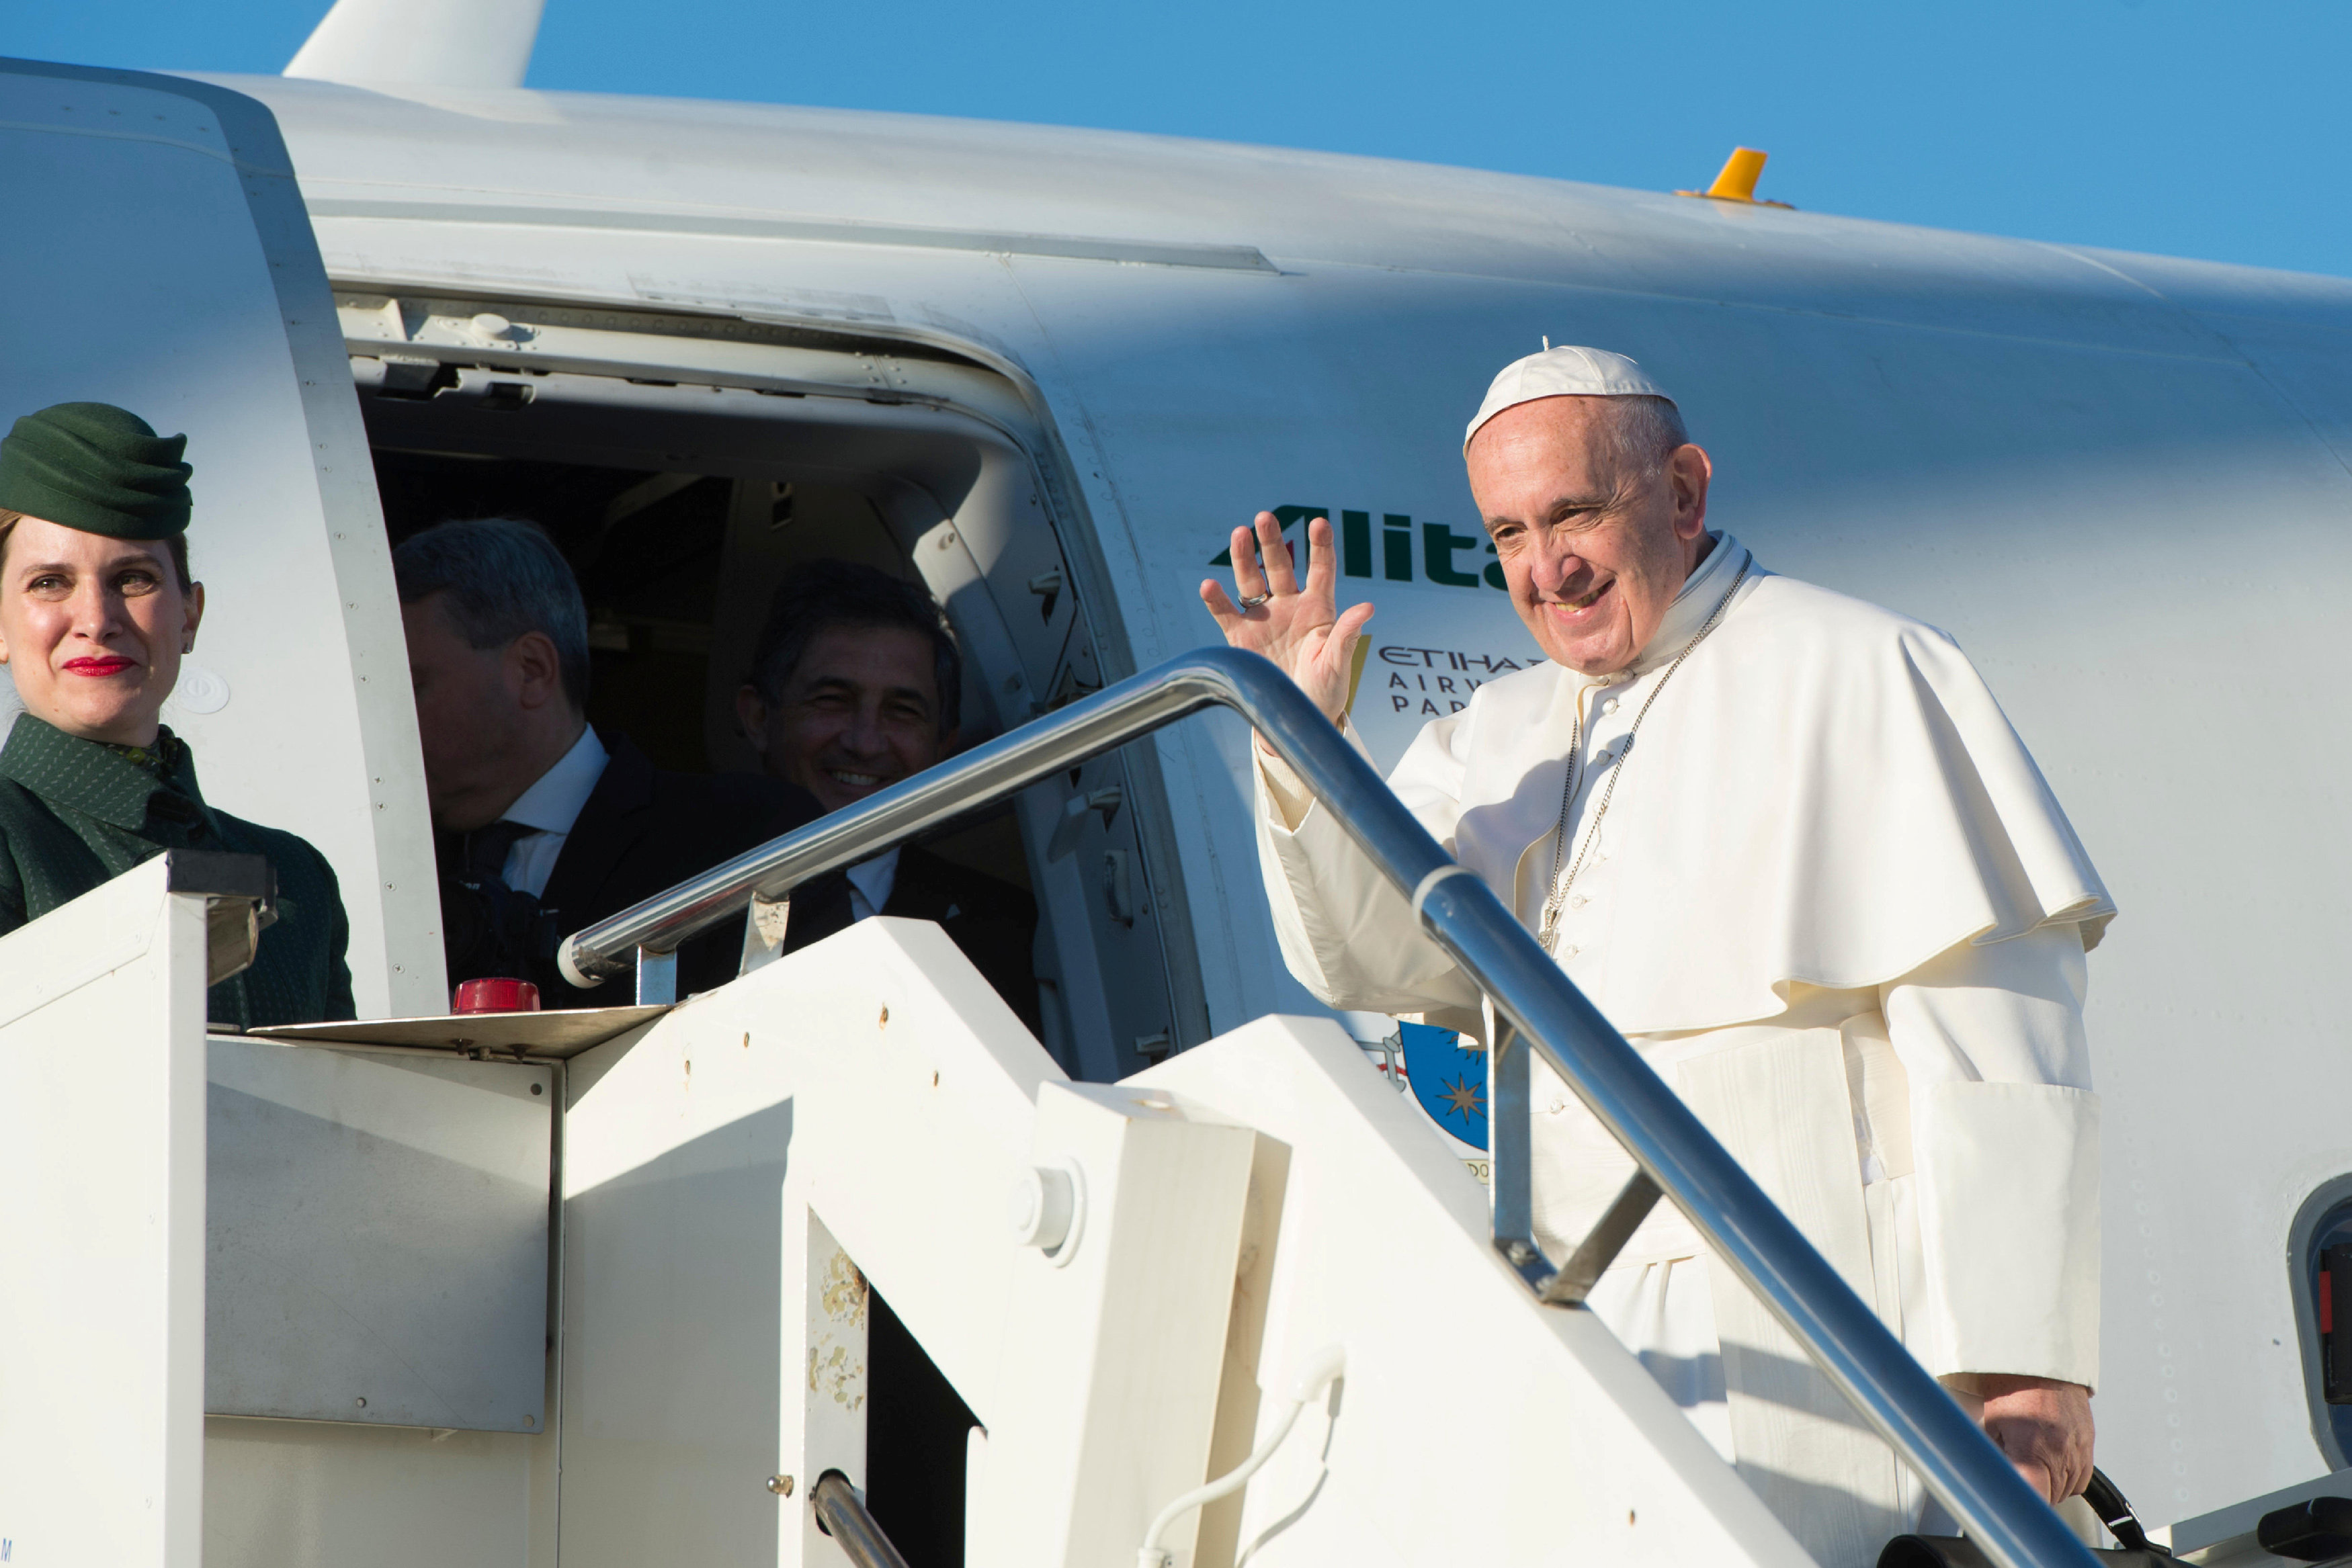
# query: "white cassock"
{"type": "Point", "coordinates": [1835, 904]}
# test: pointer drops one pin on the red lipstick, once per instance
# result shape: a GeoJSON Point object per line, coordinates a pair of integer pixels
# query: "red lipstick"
{"type": "Point", "coordinates": [99, 668]}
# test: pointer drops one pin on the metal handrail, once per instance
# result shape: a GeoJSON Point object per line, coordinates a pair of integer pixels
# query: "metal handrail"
{"type": "Point", "coordinates": [842, 1514]}
{"type": "Point", "coordinates": [1844, 1336]}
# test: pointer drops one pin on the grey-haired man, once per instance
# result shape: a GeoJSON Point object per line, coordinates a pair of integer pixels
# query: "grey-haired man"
{"type": "Point", "coordinates": [542, 825]}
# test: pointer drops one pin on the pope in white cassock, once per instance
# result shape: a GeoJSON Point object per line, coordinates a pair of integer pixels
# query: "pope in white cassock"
{"type": "Point", "coordinates": [1788, 843]}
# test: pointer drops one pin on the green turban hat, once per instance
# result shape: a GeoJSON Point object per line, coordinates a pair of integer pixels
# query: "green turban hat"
{"type": "Point", "coordinates": [97, 469]}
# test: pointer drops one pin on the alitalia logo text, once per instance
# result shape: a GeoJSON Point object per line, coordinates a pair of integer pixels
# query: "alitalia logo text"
{"type": "Point", "coordinates": [1396, 550]}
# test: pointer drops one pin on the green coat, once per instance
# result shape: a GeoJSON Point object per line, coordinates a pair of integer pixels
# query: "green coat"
{"type": "Point", "coordinates": [75, 813]}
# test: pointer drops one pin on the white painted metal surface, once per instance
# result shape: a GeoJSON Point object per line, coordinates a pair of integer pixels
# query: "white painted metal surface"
{"type": "Point", "coordinates": [297, 1494]}
{"type": "Point", "coordinates": [1108, 1386]}
{"type": "Point", "coordinates": [176, 276]}
{"type": "Point", "coordinates": [2121, 481]}
{"type": "Point", "coordinates": [102, 1229]}
{"type": "Point", "coordinates": [1384, 1249]}
{"type": "Point", "coordinates": [2014, 440]}
{"type": "Point", "coordinates": [107, 1454]}
{"type": "Point", "coordinates": [377, 1236]}
{"type": "Point", "coordinates": [694, 1157]}
{"type": "Point", "coordinates": [884, 1147]}
{"type": "Point", "coordinates": [676, 1345]}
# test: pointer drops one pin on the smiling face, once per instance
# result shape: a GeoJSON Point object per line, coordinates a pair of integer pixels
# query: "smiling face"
{"type": "Point", "coordinates": [858, 713]}
{"type": "Point", "coordinates": [1594, 549]}
{"type": "Point", "coordinates": [93, 628]}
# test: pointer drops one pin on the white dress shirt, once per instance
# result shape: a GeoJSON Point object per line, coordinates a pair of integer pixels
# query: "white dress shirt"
{"type": "Point", "coordinates": [551, 805]}
{"type": "Point", "coordinates": [870, 882]}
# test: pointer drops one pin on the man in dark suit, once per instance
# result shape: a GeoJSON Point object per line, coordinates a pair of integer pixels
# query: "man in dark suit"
{"type": "Point", "coordinates": [541, 825]}
{"type": "Point", "coordinates": [857, 683]}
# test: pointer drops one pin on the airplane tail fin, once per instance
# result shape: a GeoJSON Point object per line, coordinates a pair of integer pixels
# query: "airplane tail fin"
{"type": "Point", "coordinates": [422, 43]}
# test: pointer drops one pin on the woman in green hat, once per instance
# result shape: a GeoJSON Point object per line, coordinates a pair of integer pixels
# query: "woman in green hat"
{"type": "Point", "coordinates": [96, 610]}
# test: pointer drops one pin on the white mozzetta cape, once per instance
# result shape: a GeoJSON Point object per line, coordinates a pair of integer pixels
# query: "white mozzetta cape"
{"type": "Point", "coordinates": [1835, 903]}
{"type": "Point", "coordinates": [1826, 795]}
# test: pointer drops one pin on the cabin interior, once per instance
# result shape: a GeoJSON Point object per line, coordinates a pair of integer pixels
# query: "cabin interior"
{"type": "Point", "coordinates": [682, 476]}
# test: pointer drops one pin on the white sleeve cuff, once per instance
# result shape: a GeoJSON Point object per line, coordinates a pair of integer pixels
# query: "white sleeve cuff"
{"type": "Point", "coordinates": [1282, 789]}
{"type": "Point", "coordinates": [1283, 795]}
{"type": "Point", "coordinates": [1345, 932]}
{"type": "Point", "coordinates": [2009, 1224]}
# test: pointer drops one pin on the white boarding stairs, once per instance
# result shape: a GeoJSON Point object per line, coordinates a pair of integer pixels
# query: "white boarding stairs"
{"type": "Point", "coordinates": [1255, 1246]}
{"type": "Point", "coordinates": [1238, 1209]}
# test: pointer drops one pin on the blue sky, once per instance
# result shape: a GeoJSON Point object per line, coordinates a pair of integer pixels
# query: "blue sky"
{"type": "Point", "coordinates": [2191, 128]}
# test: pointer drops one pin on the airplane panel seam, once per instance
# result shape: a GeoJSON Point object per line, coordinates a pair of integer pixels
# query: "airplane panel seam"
{"type": "Point", "coordinates": [1858, 319]}
{"type": "Point", "coordinates": [1071, 247]}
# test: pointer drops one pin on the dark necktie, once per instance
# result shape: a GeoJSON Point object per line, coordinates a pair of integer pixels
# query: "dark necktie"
{"type": "Point", "coordinates": [488, 928]}
{"type": "Point", "coordinates": [487, 849]}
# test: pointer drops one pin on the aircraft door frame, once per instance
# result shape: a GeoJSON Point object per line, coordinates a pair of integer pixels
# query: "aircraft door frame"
{"type": "Point", "coordinates": [178, 274]}
{"type": "Point", "coordinates": [982, 519]}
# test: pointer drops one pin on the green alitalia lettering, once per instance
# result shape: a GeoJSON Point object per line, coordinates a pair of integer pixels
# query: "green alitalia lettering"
{"type": "Point", "coordinates": [1440, 547]}
{"type": "Point", "coordinates": [1396, 545]}
{"type": "Point", "coordinates": [1356, 543]}
{"type": "Point", "coordinates": [1285, 516]}
{"type": "Point", "coordinates": [1438, 543]}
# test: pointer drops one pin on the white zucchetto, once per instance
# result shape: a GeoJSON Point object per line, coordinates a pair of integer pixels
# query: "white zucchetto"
{"type": "Point", "coordinates": [1564, 371]}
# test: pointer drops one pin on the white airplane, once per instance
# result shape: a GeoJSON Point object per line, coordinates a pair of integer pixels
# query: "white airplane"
{"type": "Point", "coordinates": [1048, 369]}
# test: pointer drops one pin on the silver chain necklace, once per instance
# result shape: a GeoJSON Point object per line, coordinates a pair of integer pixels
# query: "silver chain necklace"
{"type": "Point", "coordinates": [1560, 884]}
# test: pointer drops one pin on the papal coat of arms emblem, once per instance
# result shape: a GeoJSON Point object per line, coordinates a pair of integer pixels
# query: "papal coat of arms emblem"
{"type": "Point", "coordinates": [1447, 1073]}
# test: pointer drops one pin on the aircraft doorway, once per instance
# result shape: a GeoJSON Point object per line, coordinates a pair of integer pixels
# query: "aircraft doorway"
{"type": "Point", "coordinates": [681, 499]}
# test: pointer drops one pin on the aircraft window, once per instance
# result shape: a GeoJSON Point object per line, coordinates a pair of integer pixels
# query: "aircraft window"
{"type": "Point", "coordinates": [2320, 1254]}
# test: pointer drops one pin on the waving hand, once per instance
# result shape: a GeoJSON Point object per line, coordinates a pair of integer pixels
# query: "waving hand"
{"type": "Point", "coordinates": [1302, 630]}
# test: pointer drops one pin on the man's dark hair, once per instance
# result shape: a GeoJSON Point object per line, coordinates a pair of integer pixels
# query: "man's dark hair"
{"type": "Point", "coordinates": [820, 595]}
{"type": "Point", "coordinates": [503, 578]}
